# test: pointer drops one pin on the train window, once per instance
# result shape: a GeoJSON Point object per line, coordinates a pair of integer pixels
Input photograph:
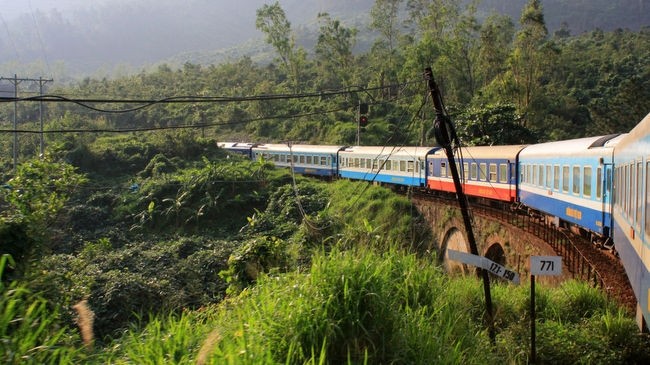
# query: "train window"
{"type": "Point", "coordinates": [325, 161]}
{"type": "Point", "coordinates": [556, 177]}
{"type": "Point", "coordinates": [626, 188]}
{"type": "Point", "coordinates": [599, 183]}
{"type": "Point", "coordinates": [638, 188]}
{"type": "Point", "coordinates": [465, 170]}
{"type": "Point", "coordinates": [356, 162]}
{"type": "Point", "coordinates": [524, 174]}
{"type": "Point", "coordinates": [482, 172]}
{"type": "Point", "coordinates": [369, 163]}
{"type": "Point", "coordinates": [540, 175]}
{"type": "Point", "coordinates": [503, 173]}
{"type": "Point", "coordinates": [374, 164]}
{"type": "Point", "coordinates": [387, 166]}
{"type": "Point", "coordinates": [363, 163]}
{"type": "Point", "coordinates": [534, 180]}
{"type": "Point", "coordinates": [576, 180]}
{"type": "Point", "coordinates": [302, 159]}
{"type": "Point", "coordinates": [443, 169]}
{"type": "Point", "coordinates": [473, 171]}
{"type": "Point", "coordinates": [493, 172]}
{"type": "Point", "coordinates": [647, 199]}
{"type": "Point", "coordinates": [619, 191]}
{"type": "Point", "coordinates": [310, 160]}
{"type": "Point", "coordinates": [617, 183]}
{"type": "Point", "coordinates": [411, 166]}
{"type": "Point", "coordinates": [565, 179]}
{"type": "Point", "coordinates": [549, 177]}
{"type": "Point", "coordinates": [402, 165]}
{"type": "Point", "coordinates": [586, 181]}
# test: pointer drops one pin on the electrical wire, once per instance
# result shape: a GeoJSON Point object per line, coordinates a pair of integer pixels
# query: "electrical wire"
{"type": "Point", "coordinates": [186, 99]}
{"type": "Point", "coordinates": [186, 126]}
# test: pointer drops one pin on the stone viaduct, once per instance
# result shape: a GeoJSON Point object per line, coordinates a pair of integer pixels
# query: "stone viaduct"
{"type": "Point", "coordinates": [503, 237]}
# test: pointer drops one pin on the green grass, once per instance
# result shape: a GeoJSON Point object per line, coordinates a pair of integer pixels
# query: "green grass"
{"type": "Point", "coordinates": [355, 306]}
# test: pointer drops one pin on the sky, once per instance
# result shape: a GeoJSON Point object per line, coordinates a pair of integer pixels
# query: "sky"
{"type": "Point", "coordinates": [11, 9]}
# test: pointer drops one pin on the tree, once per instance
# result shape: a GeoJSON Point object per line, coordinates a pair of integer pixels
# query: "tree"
{"type": "Point", "coordinates": [272, 21]}
{"type": "Point", "coordinates": [496, 37]}
{"type": "Point", "coordinates": [31, 201]}
{"type": "Point", "coordinates": [492, 125]}
{"type": "Point", "coordinates": [384, 17]}
{"type": "Point", "coordinates": [530, 54]}
{"type": "Point", "coordinates": [334, 50]}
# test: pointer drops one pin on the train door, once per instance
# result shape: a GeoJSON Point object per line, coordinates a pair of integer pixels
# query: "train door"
{"type": "Point", "coordinates": [607, 199]}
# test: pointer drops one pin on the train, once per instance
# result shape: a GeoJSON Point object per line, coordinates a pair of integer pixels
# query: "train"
{"type": "Point", "coordinates": [598, 187]}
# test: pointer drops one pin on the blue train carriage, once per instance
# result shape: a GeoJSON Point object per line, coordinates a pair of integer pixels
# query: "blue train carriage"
{"type": "Point", "coordinates": [241, 148]}
{"type": "Point", "coordinates": [388, 164]}
{"type": "Point", "coordinates": [631, 212]}
{"type": "Point", "coordinates": [488, 171]}
{"type": "Point", "coordinates": [571, 181]}
{"type": "Point", "coordinates": [305, 159]}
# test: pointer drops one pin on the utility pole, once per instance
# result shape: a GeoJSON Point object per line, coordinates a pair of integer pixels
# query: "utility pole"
{"type": "Point", "coordinates": [446, 137]}
{"type": "Point", "coordinates": [16, 81]}
{"type": "Point", "coordinates": [41, 82]}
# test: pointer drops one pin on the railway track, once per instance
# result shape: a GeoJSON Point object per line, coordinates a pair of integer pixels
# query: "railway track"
{"type": "Point", "coordinates": [585, 261]}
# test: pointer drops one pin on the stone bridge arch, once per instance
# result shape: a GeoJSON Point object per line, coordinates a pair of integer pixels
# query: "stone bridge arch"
{"type": "Point", "coordinates": [502, 243]}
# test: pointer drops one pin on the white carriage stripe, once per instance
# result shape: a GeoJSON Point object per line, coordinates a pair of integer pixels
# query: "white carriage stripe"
{"type": "Point", "coordinates": [565, 197]}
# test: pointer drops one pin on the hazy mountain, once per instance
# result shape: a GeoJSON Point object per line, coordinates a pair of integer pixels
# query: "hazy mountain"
{"type": "Point", "coordinates": [42, 35]}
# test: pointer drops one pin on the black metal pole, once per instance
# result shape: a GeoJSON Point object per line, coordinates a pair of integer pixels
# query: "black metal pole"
{"type": "Point", "coordinates": [533, 351]}
{"type": "Point", "coordinates": [445, 135]}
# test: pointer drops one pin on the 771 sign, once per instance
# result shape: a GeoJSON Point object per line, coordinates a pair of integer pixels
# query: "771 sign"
{"type": "Point", "coordinates": [546, 265]}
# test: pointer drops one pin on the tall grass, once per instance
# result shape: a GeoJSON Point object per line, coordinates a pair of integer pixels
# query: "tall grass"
{"type": "Point", "coordinates": [352, 307]}
{"type": "Point", "coordinates": [30, 332]}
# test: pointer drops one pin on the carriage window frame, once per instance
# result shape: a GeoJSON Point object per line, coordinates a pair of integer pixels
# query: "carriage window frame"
{"type": "Point", "coordinates": [576, 175]}
{"type": "Point", "coordinates": [503, 173]}
{"type": "Point", "coordinates": [626, 190]}
{"type": "Point", "coordinates": [556, 177]}
{"type": "Point", "coordinates": [639, 186]}
{"type": "Point", "coordinates": [647, 198]}
{"type": "Point", "coordinates": [482, 172]}
{"type": "Point", "coordinates": [443, 169]}
{"type": "Point", "coordinates": [549, 177]}
{"type": "Point", "coordinates": [410, 166]}
{"type": "Point", "coordinates": [586, 181]}
{"type": "Point", "coordinates": [473, 171]}
{"type": "Point", "coordinates": [492, 172]}
{"type": "Point", "coordinates": [599, 183]}
{"type": "Point", "coordinates": [565, 179]}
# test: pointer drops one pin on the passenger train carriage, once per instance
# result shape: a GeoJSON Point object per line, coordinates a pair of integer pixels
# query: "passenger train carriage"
{"type": "Point", "coordinates": [570, 180]}
{"type": "Point", "coordinates": [305, 159]}
{"type": "Point", "coordinates": [394, 165]}
{"type": "Point", "coordinates": [632, 210]}
{"type": "Point", "coordinates": [241, 148]}
{"type": "Point", "coordinates": [488, 171]}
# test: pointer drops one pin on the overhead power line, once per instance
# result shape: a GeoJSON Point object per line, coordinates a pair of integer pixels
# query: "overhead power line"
{"type": "Point", "coordinates": [144, 103]}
